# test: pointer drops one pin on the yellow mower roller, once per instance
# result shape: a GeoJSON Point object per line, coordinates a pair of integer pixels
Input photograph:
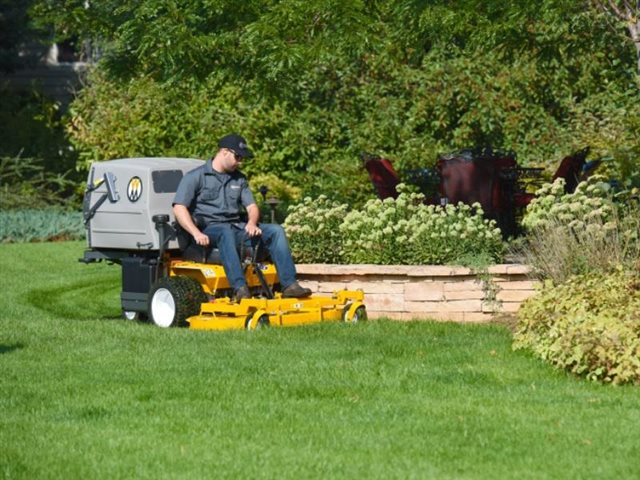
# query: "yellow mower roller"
{"type": "Point", "coordinates": [128, 216]}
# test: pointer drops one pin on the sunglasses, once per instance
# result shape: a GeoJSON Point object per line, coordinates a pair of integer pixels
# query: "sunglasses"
{"type": "Point", "coordinates": [236, 156]}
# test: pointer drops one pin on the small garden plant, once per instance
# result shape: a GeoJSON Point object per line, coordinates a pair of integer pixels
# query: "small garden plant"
{"type": "Point", "coordinates": [40, 225]}
{"type": "Point", "coordinates": [313, 227]}
{"type": "Point", "coordinates": [590, 201]}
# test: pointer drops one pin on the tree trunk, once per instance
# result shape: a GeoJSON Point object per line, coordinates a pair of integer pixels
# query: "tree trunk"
{"type": "Point", "coordinates": [634, 31]}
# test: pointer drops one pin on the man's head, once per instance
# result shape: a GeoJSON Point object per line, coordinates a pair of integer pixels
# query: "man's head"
{"type": "Point", "coordinates": [233, 150]}
{"type": "Point", "coordinates": [237, 144]}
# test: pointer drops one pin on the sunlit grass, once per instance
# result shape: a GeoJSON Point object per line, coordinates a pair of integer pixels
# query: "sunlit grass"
{"type": "Point", "coordinates": [85, 394]}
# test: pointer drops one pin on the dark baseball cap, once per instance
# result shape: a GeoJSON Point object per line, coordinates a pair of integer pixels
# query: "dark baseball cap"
{"type": "Point", "coordinates": [236, 143]}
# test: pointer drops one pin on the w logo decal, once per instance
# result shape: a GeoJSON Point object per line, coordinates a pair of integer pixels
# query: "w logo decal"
{"type": "Point", "coordinates": [134, 189]}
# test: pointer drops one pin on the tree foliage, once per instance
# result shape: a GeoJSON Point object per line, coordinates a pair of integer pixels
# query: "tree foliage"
{"type": "Point", "coordinates": [624, 14]}
{"type": "Point", "coordinates": [313, 84]}
{"type": "Point", "coordinates": [19, 40]}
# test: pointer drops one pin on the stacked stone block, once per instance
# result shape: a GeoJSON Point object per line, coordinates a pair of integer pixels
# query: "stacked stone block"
{"type": "Point", "coordinates": [402, 292]}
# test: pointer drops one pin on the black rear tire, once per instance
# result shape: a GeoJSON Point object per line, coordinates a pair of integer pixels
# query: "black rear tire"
{"type": "Point", "coordinates": [174, 299]}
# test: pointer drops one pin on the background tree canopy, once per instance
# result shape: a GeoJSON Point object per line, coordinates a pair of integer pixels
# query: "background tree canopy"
{"type": "Point", "coordinates": [312, 84]}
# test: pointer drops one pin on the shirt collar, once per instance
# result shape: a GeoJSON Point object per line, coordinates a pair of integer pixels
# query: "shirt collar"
{"type": "Point", "coordinates": [209, 170]}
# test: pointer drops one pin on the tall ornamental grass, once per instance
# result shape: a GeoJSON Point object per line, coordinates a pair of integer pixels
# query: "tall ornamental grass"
{"type": "Point", "coordinates": [403, 231]}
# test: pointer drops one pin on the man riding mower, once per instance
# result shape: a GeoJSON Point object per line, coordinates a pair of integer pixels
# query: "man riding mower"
{"type": "Point", "coordinates": [208, 207]}
{"type": "Point", "coordinates": [173, 280]}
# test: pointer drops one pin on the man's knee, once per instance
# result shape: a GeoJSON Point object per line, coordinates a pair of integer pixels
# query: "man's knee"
{"type": "Point", "coordinates": [273, 230]}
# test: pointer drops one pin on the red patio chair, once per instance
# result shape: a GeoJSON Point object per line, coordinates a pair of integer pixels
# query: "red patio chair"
{"type": "Point", "coordinates": [571, 169]}
{"type": "Point", "coordinates": [383, 176]}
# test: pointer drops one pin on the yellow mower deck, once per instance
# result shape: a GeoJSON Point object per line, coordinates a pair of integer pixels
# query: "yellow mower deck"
{"type": "Point", "coordinates": [222, 313]}
{"type": "Point", "coordinates": [251, 313]}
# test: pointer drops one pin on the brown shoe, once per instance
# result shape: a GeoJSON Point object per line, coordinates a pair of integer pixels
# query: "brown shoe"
{"type": "Point", "coordinates": [295, 290]}
{"type": "Point", "coordinates": [242, 292]}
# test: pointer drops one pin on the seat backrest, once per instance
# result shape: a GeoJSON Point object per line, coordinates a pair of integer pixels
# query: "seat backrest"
{"type": "Point", "coordinates": [383, 177]}
{"type": "Point", "coordinates": [466, 180]}
{"type": "Point", "coordinates": [571, 169]}
{"type": "Point", "coordinates": [470, 176]}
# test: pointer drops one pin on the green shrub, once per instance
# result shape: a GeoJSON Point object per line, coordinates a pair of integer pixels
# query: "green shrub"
{"type": "Point", "coordinates": [313, 228]}
{"type": "Point", "coordinates": [40, 225]}
{"type": "Point", "coordinates": [589, 325]}
{"type": "Point", "coordinates": [401, 231]}
{"type": "Point", "coordinates": [285, 193]}
{"type": "Point", "coordinates": [313, 84]}
{"type": "Point", "coordinates": [25, 183]}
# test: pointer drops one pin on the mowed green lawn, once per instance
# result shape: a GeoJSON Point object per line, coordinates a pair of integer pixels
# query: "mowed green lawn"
{"type": "Point", "coordinates": [85, 394]}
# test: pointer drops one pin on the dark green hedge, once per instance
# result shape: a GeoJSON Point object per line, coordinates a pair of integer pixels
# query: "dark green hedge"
{"type": "Point", "coordinates": [314, 84]}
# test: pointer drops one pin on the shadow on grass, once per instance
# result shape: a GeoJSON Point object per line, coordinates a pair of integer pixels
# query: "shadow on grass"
{"type": "Point", "coordinates": [10, 348]}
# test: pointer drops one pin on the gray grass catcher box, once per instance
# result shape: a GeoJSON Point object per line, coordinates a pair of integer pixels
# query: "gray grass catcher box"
{"type": "Point", "coordinates": [123, 195]}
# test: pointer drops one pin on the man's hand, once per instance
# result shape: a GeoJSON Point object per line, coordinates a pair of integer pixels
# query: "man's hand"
{"type": "Point", "coordinates": [252, 229]}
{"type": "Point", "coordinates": [201, 239]}
{"type": "Point", "coordinates": [184, 219]}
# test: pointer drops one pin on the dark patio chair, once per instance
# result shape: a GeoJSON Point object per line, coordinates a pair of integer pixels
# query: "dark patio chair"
{"type": "Point", "coordinates": [571, 169]}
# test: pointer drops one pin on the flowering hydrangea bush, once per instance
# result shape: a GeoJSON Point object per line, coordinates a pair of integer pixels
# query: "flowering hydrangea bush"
{"type": "Point", "coordinates": [589, 207]}
{"type": "Point", "coordinates": [586, 231]}
{"type": "Point", "coordinates": [403, 231]}
{"type": "Point", "coordinates": [313, 230]}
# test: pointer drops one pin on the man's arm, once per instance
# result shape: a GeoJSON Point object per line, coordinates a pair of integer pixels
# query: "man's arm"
{"type": "Point", "coordinates": [253, 212]}
{"type": "Point", "coordinates": [184, 219]}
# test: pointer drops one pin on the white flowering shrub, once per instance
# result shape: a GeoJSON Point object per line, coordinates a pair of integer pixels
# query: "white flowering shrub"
{"type": "Point", "coordinates": [403, 231]}
{"type": "Point", "coordinates": [313, 228]}
{"type": "Point", "coordinates": [579, 233]}
{"type": "Point", "coordinates": [590, 204]}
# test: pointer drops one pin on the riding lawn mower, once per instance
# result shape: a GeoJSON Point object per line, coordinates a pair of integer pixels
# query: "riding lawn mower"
{"type": "Point", "coordinates": [128, 215]}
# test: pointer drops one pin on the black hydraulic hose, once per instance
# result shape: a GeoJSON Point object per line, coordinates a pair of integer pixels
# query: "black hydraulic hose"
{"type": "Point", "coordinates": [266, 290]}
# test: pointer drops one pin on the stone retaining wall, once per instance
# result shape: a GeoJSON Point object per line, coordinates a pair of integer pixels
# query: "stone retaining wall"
{"type": "Point", "coordinates": [404, 292]}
